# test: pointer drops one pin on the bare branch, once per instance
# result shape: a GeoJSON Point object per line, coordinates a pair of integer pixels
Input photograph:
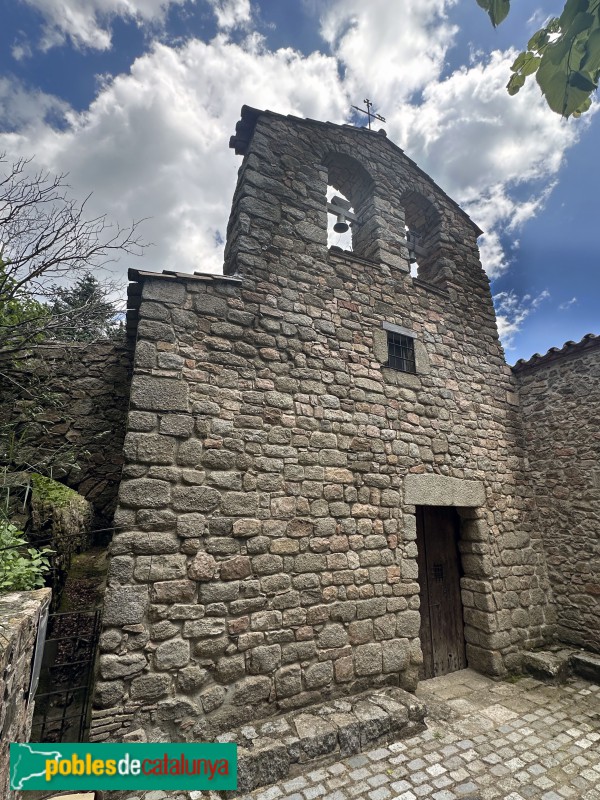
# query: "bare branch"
{"type": "Point", "coordinates": [45, 239]}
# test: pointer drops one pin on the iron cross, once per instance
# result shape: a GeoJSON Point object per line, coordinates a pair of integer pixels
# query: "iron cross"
{"type": "Point", "coordinates": [369, 113]}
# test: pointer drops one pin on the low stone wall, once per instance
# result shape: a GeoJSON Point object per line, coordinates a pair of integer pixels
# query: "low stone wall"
{"type": "Point", "coordinates": [560, 404]}
{"type": "Point", "coordinates": [20, 614]}
{"type": "Point", "coordinates": [64, 414]}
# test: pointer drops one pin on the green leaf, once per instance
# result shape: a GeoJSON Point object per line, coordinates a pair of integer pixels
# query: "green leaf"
{"type": "Point", "coordinates": [538, 40]}
{"type": "Point", "coordinates": [571, 10]}
{"type": "Point", "coordinates": [515, 83]}
{"type": "Point", "coordinates": [591, 60]}
{"type": "Point", "coordinates": [583, 81]}
{"type": "Point", "coordinates": [521, 60]}
{"type": "Point", "coordinates": [21, 567]}
{"type": "Point", "coordinates": [497, 9]}
{"type": "Point", "coordinates": [583, 107]}
{"type": "Point", "coordinates": [561, 95]}
{"type": "Point", "coordinates": [558, 52]}
{"type": "Point", "coordinates": [582, 22]}
{"type": "Point", "coordinates": [531, 66]}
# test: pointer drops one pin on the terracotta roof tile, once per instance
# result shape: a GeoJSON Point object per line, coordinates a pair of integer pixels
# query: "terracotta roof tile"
{"type": "Point", "coordinates": [589, 341]}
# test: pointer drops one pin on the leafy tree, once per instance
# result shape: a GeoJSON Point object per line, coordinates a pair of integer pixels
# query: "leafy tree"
{"type": "Point", "coordinates": [564, 55]}
{"type": "Point", "coordinates": [45, 240]}
{"type": "Point", "coordinates": [85, 312]}
{"type": "Point", "coordinates": [18, 314]}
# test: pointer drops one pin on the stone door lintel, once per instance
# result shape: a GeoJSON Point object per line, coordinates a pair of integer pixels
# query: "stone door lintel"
{"type": "Point", "coordinates": [440, 490]}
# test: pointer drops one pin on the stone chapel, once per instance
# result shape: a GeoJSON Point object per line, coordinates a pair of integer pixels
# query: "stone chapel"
{"type": "Point", "coordinates": [332, 480]}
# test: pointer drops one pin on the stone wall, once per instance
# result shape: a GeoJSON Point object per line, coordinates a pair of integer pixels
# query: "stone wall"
{"type": "Point", "coordinates": [560, 405]}
{"type": "Point", "coordinates": [64, 414]}
{"type": "Point", "coordinates": [266, 554]}
{"type": "Point", "coordinates": [20, 614]}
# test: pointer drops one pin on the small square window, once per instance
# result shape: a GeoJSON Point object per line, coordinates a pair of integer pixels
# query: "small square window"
{"type": "Point", "coordinates": [401, 352]}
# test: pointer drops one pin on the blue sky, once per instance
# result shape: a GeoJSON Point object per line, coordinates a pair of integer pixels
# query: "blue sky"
{"type": "Point", "coordinates": [136, 100]}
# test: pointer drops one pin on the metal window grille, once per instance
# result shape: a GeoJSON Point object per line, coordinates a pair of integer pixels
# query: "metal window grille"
{"type": "Point", "coordinates": [401, 352]}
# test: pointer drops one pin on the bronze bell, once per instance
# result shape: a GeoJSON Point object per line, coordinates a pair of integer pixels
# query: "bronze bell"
{"type": "Point", "coordinates": [341, 226]}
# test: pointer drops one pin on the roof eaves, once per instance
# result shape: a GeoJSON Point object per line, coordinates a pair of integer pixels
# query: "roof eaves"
{"type": "Point", "coordinates": [138, 276]}
{"type": "Point", "coordinates": [589, 342]}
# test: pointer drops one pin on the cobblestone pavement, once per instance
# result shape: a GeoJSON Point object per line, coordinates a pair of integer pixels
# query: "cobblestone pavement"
{"type": "Point", "coordinates": [485, 740]}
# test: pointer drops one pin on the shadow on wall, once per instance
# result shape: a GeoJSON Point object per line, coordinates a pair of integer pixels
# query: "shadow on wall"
{"type": "Point", "coordinates": [64, 415]}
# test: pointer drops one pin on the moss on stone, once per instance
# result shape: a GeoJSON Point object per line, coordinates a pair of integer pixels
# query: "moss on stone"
{"type": "Point", "coordinates": [47, 490]}
{"type": "Point", "coordinates": [62, 517]}
{"type": "Point", "coordinates": [513, 677]}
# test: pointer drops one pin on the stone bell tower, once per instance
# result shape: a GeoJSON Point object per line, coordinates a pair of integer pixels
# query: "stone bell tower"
{"type": "Point", "coordinates": [324, 490]}
{"type": "Point", "coordinates": [284, 177]}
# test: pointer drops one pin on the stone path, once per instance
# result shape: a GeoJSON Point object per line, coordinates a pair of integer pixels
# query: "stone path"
{"type": "Point", "coordinates": [485, 740]}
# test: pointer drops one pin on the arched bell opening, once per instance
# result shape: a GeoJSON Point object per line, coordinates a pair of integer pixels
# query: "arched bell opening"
{"type": "Point", "coordinates": [413, 257]}
{"type": "Point", "coordinates": [423, 226]}
{"type": "Point", "coordinates": [352, 215]}
{"type": "Point", "coordinates": [340, 218]}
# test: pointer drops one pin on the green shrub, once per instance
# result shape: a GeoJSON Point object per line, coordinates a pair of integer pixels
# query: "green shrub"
{"type": "Point", "coordinates": [21, 567]}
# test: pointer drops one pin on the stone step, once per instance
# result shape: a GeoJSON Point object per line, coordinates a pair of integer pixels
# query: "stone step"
{"type": "Point", "coordinates": [586, 665]}
{"type": "Point", "coordinates": [283, 746]}
{"type": "Point", "coordinates": [548, 665]}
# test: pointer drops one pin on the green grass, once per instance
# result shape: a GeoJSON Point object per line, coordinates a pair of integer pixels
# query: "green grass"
{"type": "Point", "coordinates": [515, 677]}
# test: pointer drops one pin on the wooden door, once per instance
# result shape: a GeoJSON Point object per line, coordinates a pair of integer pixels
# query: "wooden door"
{"type": "Point", "coordinates": [442, 629]}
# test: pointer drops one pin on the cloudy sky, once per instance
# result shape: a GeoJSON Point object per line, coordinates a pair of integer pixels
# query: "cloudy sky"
{"type": "Point", "coordinates": [136, 100]}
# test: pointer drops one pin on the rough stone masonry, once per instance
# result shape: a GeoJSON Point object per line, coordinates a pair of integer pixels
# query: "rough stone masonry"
{"type": "Point", "coordinates": [21, 616]}
{"type": "Point", "coordinates": [266, 552]}
{"type": "Point", "coordinates": [66, 404]}
{"type": "Point", "coordinates": [560, 406]}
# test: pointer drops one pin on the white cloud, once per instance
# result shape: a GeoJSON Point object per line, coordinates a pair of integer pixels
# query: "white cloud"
{"type": "Point", "coordinates": [23, 108]}
{"type": "Point", "coordinates": [496, 212]}
{"type": "Point", "coordinates": [567, 304]}
{"type": "Point", "coordinates": [535, 302]}
{"type": "Point", "coordinates": [21, 48]}
{"type": "Point", "coordinates": [387, 52]}
{"type": "Point", "coordinates": [154, 143]}
{"type": "Point", "coordinates": [232, 13]}
{"type": "Point", "coordinates": [538, 19]}
{"type": "Point", "coordinates": [480, 144]}
{"type": "Point", "coordinates": [512, 311]}
{"type": "Point", "coordinates": [87, 23]}
{"type": "Point", "coordinates": [492, 253]}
